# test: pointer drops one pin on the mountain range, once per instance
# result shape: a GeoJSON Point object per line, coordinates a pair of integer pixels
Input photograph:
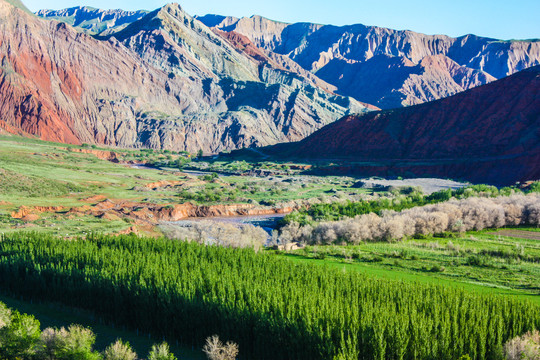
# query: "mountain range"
{"type": "Point", "coordinates": [489, 134]}
{"type": "Point", "coordinates": [384, 67]}
{"type": "Point", "coordinates": [164, 81]}
{"type": "Point", "coordinates": [94, 21]}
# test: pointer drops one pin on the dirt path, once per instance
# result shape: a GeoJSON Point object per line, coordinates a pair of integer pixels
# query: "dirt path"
{"type": "Point", "coordinates": [531, 235]}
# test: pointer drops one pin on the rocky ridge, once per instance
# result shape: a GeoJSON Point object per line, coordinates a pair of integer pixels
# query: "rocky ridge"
{"type": "Point", "coordinates": [385, 67]}
{"type": "Point", "coordinates": [415, 67]}
{"type": "Point", "coordinates": [92, 20]}
{"type": "Point", "coordinates": [165, 81]}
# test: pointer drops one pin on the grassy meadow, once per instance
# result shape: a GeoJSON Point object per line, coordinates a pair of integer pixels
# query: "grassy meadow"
{"type": "Point", "coordinates": [477, 261]}
{"type": "Point", "coordinates": [38, 173]}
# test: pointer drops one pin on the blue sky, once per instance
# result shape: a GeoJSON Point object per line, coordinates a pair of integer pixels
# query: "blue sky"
{"type": "Point", "coordinates": [503, 19]}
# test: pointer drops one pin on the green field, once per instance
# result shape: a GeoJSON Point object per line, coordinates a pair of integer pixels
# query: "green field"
{"type": "Point", "coordinates": [50, 174]}
{"type": "Point", "coordinates": [37, 173]}
{"type": "Point", "coordinates": [478, 261]}
{"type": "Point", "coordinates": [383, 300]}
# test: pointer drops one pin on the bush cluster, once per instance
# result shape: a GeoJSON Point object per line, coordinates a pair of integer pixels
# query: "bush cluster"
{"type": "Point", "coordinates": [349, 209]}
{"type": "Point", "coordinates": [525, 347]}
{"type": "Point", "coordinates": [21, 338]}
{"type": "Point", "coordinates": [219, 233]}
{"type": "Point", "coordinates": [451, 216]}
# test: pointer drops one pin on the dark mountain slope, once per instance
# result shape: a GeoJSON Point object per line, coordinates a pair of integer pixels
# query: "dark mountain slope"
{"type": "Point", "coordinates": [487, 134]}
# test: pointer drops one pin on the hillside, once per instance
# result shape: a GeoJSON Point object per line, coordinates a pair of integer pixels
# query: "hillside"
{"type": "Point", "coordinates": [385, 67]}
{"type": "Point", "coordinates": [487, 134]}
{"type": "Point", "coordinates": [18, 4]}
{"type": "Point", "coordinates": [169, 83]}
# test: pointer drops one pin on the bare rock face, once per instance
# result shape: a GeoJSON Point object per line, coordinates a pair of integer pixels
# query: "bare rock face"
{"type": "Point", "coordinates": [487, 134]}
{"type": "Point", "coordinates": [165, 81]}
{"type": "Point", "coordinates": [436, 76]}
{"type": "Point", "coordinates": [384, 67]}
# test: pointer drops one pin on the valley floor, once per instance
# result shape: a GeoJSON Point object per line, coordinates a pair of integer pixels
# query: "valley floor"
{"type": "Point", "coordinates": [73, 191]}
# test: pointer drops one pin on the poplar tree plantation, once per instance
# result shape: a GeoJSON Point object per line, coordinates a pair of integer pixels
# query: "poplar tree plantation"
{"type": "Point", "coordinates": [271, 307]}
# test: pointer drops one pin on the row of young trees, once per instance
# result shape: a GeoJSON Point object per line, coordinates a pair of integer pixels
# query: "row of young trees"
{"type": "Point", "coordinates": [472, 213]}
{"type": "Point", "coordinates": [22, 339]}
{"type": "Point", "coordinates": [271, 307]}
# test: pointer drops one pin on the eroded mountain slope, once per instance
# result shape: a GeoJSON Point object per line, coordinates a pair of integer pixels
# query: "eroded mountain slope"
{"type": "Point", "coordinates": [414, 67]}
{"type": "Point", "coordinates": [63, 85]}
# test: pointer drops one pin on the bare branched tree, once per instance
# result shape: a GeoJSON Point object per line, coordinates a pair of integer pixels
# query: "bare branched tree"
{"type": "Point", "coordinates": [216, 350]}
{"type": "Point", "coordinates": [219, 233]}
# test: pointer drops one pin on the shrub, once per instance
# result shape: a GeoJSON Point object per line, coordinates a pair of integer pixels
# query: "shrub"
{"type": "Point", "coordinates": [535, 187]}
{"type": "Point", "coordinates": [5, 316]}
{"type": "Point", "coordinates": [119, 351]}
{"type": "Point", "coordinates": [476, 260]}
{"type": "Point", "coordinates": [443, 219]}
{"type": "Point", "coordinates": [19, 337]}
{"type": "Point", "coordinates": [445, 234]}
{"type": "Point", "coordinates": [161, 352]}
{"type": "Point", "coordinates": [74, 343]}
{"type": "Point", "coordinates": [525, 347]}
{"type": "Point", "coordinates": [436, 268]}
{"type": "Point", "coordinates": [218, 233]}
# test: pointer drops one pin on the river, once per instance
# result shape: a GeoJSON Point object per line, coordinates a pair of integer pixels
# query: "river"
{"type": "Point", "coordinates": [266, 222]}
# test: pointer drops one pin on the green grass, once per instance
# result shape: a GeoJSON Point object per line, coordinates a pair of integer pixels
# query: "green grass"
{"type": "Point", "coordinates": [39, 173]}
{"type": "Point", "coordinates": [63, 225]}
{"type": "Point", "coordinates": [75, 174]}
{"type": "Point", "coordinates": [58, 315]}
{"type": "Point", "coordinates": [17, 184]}
{"type": "Point", "coordinates": [479, 261]}
{"type": "Point", "coordinates": [271, 190]}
